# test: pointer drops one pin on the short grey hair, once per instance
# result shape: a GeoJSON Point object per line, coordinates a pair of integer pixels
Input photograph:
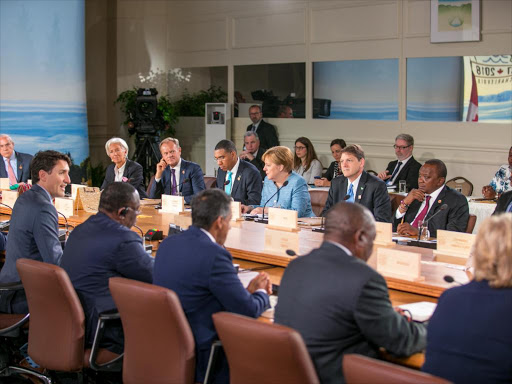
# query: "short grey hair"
{"type": "Point", "coordinates": [170, 140]}
{"type": "Point", "coordinates": [405, 137]}
{"type": "Point", "coordinates": [251, 133]}
{"type": "Point", "coordinates": [5, 136]}
{"type": "Point", "coordinates": [116, 140]}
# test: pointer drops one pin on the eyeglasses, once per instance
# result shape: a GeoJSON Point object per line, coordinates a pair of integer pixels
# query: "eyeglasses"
{"type": "Point", "coordinates": [400, 147]}
{"type": "Point", "coordinates": [299, 148]}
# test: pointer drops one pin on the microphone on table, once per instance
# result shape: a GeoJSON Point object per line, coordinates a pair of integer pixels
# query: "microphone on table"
{"type": "Point", "coordinates": [271, 197]}
{"type": "Point", "coordinates": [322, 227]}
{"type": "Point", "coordinates": [450, 279]}
{"type": "Point", "coordinates": [142, 235]}
{"type": "Point", "coordinates": [181, 184]}
{"type": "Point", "coordinates": [226, 183]}
{"type": "Point", "coordinates": [291, 252]}
{"type": "Point", "coordinates": [425, 224]}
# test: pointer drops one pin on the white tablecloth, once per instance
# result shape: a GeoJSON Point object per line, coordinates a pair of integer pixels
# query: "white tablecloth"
{"type": "Point", "coordinates": [481, 210]}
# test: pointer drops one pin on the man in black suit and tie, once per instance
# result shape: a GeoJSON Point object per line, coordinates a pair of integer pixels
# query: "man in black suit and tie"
{"type": "Point", "coordinates": [266, 132]}
{"type": "Point", "coordinates": [421, 204]}
{"type": "Point", "coordinates": [358, 186]}
{"type": "Point", "coordinates": [253, 152]}
{"type": "Point", "coordinates": [239, 179]}
{"type": "Point", "coordinates": [15, 165]}
{"type": "Point", "coordinates": [504, 203]}
{"type": "Point", "coordinates": [406, 167]}
{"type": "Point", "coordinates": [350, 311]}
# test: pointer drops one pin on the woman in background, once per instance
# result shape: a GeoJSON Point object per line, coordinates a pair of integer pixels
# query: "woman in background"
{"type": "Point", "coordinates": [469, 338]}
{"type": "Point", "coordinates": [123, 170]}
{"type": "Point", "coordinates": [305, 161]}
{"type": "Point", "coordinates": [334, 169]}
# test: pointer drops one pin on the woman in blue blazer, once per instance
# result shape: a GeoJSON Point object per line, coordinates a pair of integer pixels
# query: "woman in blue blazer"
{"type": "Point", "coordinates": [469, 338]}
{"type": "Point", "coordinates": [123, 170]}
{"type": "Point", "coordinates": [294, 195]}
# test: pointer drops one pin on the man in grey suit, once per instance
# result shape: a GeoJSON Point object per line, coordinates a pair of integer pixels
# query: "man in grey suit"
{"type": "Point", "coordinates": [34, 227]}
{"type": "Point", "coordinates": [15, 165]}
{"type": "Point", "coordinates": [350, 311]}
{"type": "Point", "coordinates": [239, 179]}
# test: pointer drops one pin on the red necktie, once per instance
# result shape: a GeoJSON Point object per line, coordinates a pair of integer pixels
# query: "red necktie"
{"type": "Point", "coordinates": [10, 172]}
{"type": "Point", "coordinates": [423, 213]}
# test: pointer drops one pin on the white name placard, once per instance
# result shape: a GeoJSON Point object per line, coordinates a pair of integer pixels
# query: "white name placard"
{"type": "Point", "coordinates": [4, 183]}
{"type": "Point", "coordinates": [9, 198]}
{"type": "Point", "coordinates": [454, 247]}
{"type": "Point", "coordinates": [74, 188]}
{"type": "Point", "coordinates": [236, 211]}
{"type": "Point", "coordinates": [65, 206]}
{"type": "Point", "coordinates": [399, 264]}
{"type": "Point", "coordinates": [277, 241]}
{"type": "Point", "coordinates": [283, 219]}
{"type": "Point", "coordinates": [384, 234]}
{"type": "Point", "coordinates": [173, 204]}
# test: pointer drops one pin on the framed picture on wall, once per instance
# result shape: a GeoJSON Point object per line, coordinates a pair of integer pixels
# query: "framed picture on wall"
{"type": "Point", "coordinates": [454, 20]}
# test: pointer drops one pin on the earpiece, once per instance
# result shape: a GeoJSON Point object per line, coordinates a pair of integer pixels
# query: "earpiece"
{"type": "Point", "coordinates": [124, 211]}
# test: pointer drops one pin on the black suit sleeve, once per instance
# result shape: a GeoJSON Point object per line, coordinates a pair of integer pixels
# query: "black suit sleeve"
{"type": "Point", "coordinates": [329, 174]}
{"type": "Point", "coordinates": [136, 179]}
{"type": "Point", "coordinates": [412, 175]}
{"type": "Point", "coordinates": [382, 325]}
{"type": "Point", "coordinates": [503, 202]}
{"type": "Point", "coordinates": [254, 187]}
{"type": "Point", "coordinates": [458, 216]}
{"type": "Point", "coordinates": [109, 177]}
{"type": "Point", "coordinates": [330, 199]}
{"type": "Point", "coordinates": [272, 139]}
{"type": "Point", "coordinates": [382, 204]}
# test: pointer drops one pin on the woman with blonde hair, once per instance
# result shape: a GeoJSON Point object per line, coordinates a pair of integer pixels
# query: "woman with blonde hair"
{"type": "Point", "coordinates": [469, 337]}
{"type": "Point", "coordinates": [293, 191]}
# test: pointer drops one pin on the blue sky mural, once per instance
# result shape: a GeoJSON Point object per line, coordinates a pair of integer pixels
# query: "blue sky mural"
{"type": "Point", "coordinates": [42, 76]}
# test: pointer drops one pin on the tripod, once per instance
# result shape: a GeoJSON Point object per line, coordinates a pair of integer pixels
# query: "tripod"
{"type": "Point", "coordinates": [147, 154]}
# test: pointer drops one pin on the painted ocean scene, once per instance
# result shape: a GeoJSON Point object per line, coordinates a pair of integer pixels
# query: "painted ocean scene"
{"type": "Point", "coordinates": [358, 89]}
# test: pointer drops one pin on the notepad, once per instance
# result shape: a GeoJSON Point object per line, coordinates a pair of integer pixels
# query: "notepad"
{"type": "Point", "coordinates": [420, 311]}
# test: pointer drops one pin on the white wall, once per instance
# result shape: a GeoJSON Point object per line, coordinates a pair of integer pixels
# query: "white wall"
{"type": "Point", "coordinates": [168, 34]}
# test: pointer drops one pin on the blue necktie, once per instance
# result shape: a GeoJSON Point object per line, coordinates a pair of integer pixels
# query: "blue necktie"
{"type": "Point", "coordinates": [394, 172]}
{"type": "Point", "coordinates": [229, 185]}
{"type": "Point", "coordinates": [350, 193]}
{"type": "Point", "coordinates": [509, 209]}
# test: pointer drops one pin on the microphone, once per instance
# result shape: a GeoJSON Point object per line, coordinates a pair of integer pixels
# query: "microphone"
{"type": "Point", "coordinates": [322, 223]}
{"type": "Point", "coordinates": [181, 184]}
{"type": "Point", "coordinates": [291, 252]}
{"type": "Point", "coordinates": [142, 235]}
{"type": "Point", "coordinates": [67, 225]}
{"type": "Point", "coordinates": [271, 197]}
{"type": "Point", "coordinates": [450, 279]}
{"type": "Point", "coordinates": [425, 223]}
{"type": "Point", "coordinates": [226, 183]}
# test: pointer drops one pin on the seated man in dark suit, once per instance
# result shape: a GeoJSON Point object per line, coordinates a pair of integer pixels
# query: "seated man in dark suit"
{"type": "Point", "coordinates": [406, 167]}
{"type": "Point", "coordinates": [350, 311]}
{"type": "Point", "coordinates": [421, 204]}
{"type": "Point", "coordinates": [104, 247]}
{"type": "Point", "coordinates": [3, 241]}
{"type": "Point", "coordinates": [34, 226]}
{"type": "Point", "coordinates": [504, 203]}
{"type": "Point", "coordinates": [253, 152]}
{"type": "Point", "coordinates": [266, 132]}
{"type": "Point", "coordinates": [200, 270]}
{"type": "Point", "coordinates": [358, 186]}
{"type": "Point", "coordinates": [239, 179]}
{"type": "Point", "coordinates": [15, 165]}
{"type": "Point", "coordinates": [175, 176]}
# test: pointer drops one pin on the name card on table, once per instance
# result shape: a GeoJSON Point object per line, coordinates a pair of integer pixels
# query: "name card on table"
{"type": "Point", "coordinates": [29, 181]}
{"type": "Point", "coordinates": [384, 234]}
{"type": "Point", "coordinates": [9, 197]}
{"type": "Point", "coordinates": [4, 183]}
{"type": "Point", "coordinates": [399, 264]}
{"type": "Point", "coordinates": [236, 211]}
{"type": "Point", "coordinates": [88, 199]}
{"type": "Point", "coordinates": [278, 241]}
{"type": "Point", "coordinates": [65, 206]}
{"type": "Point", "coordinates": [454, 247]}
{"type": "Point", "coordinates": [283, 219]}
{"type": "Point", "coordinates": [74, 190]}
{"type": "Point", "coordinates": [173, 204]}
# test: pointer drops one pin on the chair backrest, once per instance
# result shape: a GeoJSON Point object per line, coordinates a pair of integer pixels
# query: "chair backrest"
{"type": "Point", "coordinates": [459, 182]}
{"type": "Point", "coordinates": [159, 345]}
{"type": "Point", "coordinates": [318, 199]}
{"type": "Point", "coordinates": [210, 182]}
{"type": "Point", "coordinates": [259, 352]}
{"type": "Point", "coordinates": [56, 332]}
{"type": "Point", "coordinates": [471, 223]}
{"type": "Point", "coordinates": [359, 369]}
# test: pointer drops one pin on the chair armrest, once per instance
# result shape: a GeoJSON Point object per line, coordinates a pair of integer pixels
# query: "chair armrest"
{"type": "Point", "coordinates": [113, 365]}
{"type": "Point", "coordinates": [16, 286]}
{"type": "Point", "coordinates": [14, 329]}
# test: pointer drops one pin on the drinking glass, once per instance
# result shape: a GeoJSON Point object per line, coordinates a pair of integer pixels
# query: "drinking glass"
{"type": "Point", "coordinates": [402, 186]}
{"type": "Point", "coordinates": [423, 228]}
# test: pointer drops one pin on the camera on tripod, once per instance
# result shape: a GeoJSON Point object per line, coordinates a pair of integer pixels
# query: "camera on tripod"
{"type": "Point", "coordinates": [147, 120]}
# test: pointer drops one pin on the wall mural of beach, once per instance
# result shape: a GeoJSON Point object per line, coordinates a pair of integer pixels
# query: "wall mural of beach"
{"type": "Point", "coordinates": [42, 76]}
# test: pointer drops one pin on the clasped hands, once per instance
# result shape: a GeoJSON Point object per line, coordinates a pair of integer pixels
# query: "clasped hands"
{"type": "Point", "coordinates": [407, 229]}
{"type": "Point", "coordinates": [262, 281]}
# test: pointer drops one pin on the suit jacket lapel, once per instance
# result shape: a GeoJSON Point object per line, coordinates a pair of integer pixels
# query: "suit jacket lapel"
{"type": "Point", "coordinates": [19, 165]}
{"type": "Point", "coordinates": [236, 182]}
{"type": "Point", "coordinates": [437, 203]}
{"type": "Point", "coordinates": [360, 187]}
{"type": "Point", "coordinates": [183, 174]}
{"type": "Point", "coordinates": [125, 173]}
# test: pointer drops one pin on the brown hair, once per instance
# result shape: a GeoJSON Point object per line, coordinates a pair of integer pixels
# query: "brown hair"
{"type": "Point", "coordinates": [46, 161]}
{"type": "Point", "coordinates": [493, 251]}
{"type": "Point", "coordinates": [281, 156]}
{"type": "Point", "coordinates": [310, 153]}
{"type": "Point", "coordinates": [355, 150]}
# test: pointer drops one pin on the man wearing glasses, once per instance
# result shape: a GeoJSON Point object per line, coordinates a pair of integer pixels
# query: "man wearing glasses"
{"type": "Point", "coordinates": [104, 246]}
{"type": "Point", "coordinates": [266, 132]}
{"type": "Point", "coordinates": [405, 167]}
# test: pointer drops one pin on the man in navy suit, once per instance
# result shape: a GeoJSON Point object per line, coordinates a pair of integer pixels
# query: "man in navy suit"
{"type": "Point", "coordinates": [15, 165]}
{"type": "Point", "coordinates": [504, 203]}
{"type": "Point", "coordinates": [422, 203]}
{"type": "Point", "coordinates": [175, 176]}
{"type": "Point", "coordinates": [239, 179]}
{"type": "Point", "coordinates": [34, 227]}
{"type": "Point", "coordinates": [200, 270]}
{"type": "Point", "coordinates": [104, 247]}
{"type": "Point", "coordinates": [338, 303]}
{"type": "Point", "coordinates": [266, 132]}
{"type": "Point", "coordinates": [3, 241]}
{"type": "Point", "coordinates": [358, 186]}
{"type": "Point", "coordinates": [405, 167]}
